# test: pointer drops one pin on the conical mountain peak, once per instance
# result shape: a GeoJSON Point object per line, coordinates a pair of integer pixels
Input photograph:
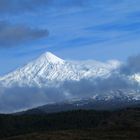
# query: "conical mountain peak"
{"type": "Point", "coordinates": [51, 58]}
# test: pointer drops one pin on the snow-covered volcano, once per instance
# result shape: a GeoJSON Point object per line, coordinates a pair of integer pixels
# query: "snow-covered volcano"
{"type": "Point", "coordinates": [50, 79]}
{"type": "Point", "coordinates": [49, 69]}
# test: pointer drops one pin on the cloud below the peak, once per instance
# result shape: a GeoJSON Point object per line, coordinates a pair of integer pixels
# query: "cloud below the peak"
{"type": "Point", "coordinates": [132, 66]}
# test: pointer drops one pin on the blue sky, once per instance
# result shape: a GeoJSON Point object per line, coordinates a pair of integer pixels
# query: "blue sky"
{"type": "Point", "coordinates": [71, 29]}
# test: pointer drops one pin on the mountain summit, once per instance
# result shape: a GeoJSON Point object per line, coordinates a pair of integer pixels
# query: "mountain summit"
{"type": "Point", "coordinates": [49, 69]}
{"type": "Point", "coordinates": [51, 58]}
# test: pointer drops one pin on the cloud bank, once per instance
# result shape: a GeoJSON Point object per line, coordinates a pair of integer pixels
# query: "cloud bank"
{"type": "Point", "coordinates": [21, 98]}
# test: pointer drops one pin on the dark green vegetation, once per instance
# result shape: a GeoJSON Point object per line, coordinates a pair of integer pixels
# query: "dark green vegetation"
{"type": "Point", "coordinates": [73, 125]}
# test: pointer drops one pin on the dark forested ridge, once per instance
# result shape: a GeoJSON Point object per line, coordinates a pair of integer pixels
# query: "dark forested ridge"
{"type": "Point", "coordinates": [126, 120]}
{"type": "Point", "coordinates": [84, 104]}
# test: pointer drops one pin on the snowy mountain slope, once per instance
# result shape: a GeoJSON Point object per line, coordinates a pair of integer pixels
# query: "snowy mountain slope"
{"type": "Point", "coordinates": [48, 69]}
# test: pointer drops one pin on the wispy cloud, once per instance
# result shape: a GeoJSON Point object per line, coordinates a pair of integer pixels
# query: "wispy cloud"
{"type": "Point", "coordinates": [13, 35]}
{"type": "Point", "coordinates": [135, 26]}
